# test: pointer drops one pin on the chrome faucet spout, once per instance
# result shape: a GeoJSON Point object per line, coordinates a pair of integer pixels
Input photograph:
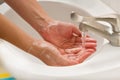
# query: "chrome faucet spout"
{"type": "Point", "coordinates": [92, 24]}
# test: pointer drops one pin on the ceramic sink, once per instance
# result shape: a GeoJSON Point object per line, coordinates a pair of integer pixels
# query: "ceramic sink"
{"type": "Point", "coordinates": [104, 64]}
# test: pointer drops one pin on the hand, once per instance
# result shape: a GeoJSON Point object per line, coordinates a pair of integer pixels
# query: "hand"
{"type": "Point", "coordinates": [63, 35]}
{"type": "Point", "coordinates": [55, 56]}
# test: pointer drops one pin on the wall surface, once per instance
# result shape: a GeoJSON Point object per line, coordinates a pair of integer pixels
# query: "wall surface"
{"type": "Point", "coordinates": [114, 4]}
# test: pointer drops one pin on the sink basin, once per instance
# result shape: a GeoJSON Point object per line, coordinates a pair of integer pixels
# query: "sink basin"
{"type": "Point", "coordinates": [104, 64]}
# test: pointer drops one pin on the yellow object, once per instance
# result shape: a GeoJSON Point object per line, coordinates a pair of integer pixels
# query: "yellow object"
{"type": "Point", "coordinates": [4, 75]}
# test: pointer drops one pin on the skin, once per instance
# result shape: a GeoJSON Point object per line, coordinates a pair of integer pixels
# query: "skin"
{"type": "Point", "coordinates": [13, 34]}
{"type": "Point", "coordinates": [61, 34]}
{"type": "Point", "coordinates": [65, 37]}
{"type": "Point", "coordinates": [45, 51]}
{"type": "Point", "coordinates": [53, 56]}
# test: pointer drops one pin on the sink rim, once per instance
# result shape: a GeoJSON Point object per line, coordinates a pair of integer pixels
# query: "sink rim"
{"type": "Point", "coordinates": [68, 68]}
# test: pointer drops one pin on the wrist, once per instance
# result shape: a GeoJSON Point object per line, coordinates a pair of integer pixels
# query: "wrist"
{"type": "Point", "coordinates": [45, 30]}
{"type": "Point", "coordinates": [42, 23]}
{"type": "Point", "coordinates": [36, 48]}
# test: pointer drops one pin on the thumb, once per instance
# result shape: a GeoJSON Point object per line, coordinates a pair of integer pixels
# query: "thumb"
{"type": "Point", "coordinates": [76, 31]}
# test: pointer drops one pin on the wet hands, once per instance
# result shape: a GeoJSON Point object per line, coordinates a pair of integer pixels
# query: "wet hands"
{"type": "Point", "coordinates": [79, 53]}
{"type": "Point", "coordinates": [49, 54]}
{"type": "Point", "coordinates": [55, 56]}
{"type": "Point", "coordinates": [61, 34]}
{"type": "Point", "coordinates": [66, 48]}
{"type": "Point", "coordinates": [64, 35]}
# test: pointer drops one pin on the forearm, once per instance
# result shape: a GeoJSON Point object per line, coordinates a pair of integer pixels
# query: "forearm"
{"type": "Point", "coordinates": [14, 34]}
{"type": "Point", "coordinates": [32, 12]}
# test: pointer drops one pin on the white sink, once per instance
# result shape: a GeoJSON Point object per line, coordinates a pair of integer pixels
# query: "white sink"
{"type": "Point", "coordinates": [104, 64]}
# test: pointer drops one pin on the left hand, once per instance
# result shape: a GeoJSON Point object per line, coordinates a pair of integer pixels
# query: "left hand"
{"type": "Point", "coordinates": [64, 35]}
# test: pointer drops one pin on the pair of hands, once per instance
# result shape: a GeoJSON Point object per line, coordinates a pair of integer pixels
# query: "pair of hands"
{"type": "Point", "coordinates": [66, 48]}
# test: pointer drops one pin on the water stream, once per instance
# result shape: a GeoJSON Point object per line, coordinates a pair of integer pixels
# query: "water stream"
{"type": "Point", "coordinates": [84, 33]}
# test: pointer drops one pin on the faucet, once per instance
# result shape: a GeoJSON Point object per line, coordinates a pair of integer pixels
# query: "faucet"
{"type": "Point", "coordinates": [93, 24]}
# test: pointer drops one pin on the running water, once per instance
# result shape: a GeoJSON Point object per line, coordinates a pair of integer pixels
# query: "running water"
{"type": "Point", "coordinates": [83, 32]}
{"type": "Point", "coordinates": [83, 37]}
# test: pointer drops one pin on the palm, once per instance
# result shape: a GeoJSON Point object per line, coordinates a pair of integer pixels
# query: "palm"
{"type": "Point", "coordinates": [55, 56]}
{"type": "Point", "coordinates": [62, 35]}
{"type": "Point", "coordinates": [67, 40]}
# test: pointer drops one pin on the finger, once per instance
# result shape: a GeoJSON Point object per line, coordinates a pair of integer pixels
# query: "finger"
{"type": "Point", "coordinates": [73, 50]}
{"type": "Point", "coordinates": [88, 39]}
{"type": "Point", "coordinates": [82, 57]}
{"type": "Point", "coordinates": [83, 50]}
{"type": "Point", "coordinates": [90, 45]}
{"type": "Point", "coordinates": [93, 49]}
{"type": "Point", "coordinates": [76, 31]}
{"type": "Point", "coordinates": [90, 50]}
{"type": "Point", "coordinates": [77, 45]}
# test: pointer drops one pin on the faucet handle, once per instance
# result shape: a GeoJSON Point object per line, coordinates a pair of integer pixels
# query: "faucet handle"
{"type": "Point", "coordinates": [78, 18]}
{"type": "Point", "coordinates": [92, 24]}
{"type": "Point", "coordinates": [89, 20]}
{"type": "Point", "coordinates": [113, 19]}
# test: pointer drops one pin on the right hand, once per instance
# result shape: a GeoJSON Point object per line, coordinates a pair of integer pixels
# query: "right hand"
{"type": "Point", "coordinates": [54, 56]}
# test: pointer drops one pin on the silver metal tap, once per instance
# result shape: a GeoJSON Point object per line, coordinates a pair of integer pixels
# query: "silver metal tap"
{"type": "Point", "coordinates": [92, 24]}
